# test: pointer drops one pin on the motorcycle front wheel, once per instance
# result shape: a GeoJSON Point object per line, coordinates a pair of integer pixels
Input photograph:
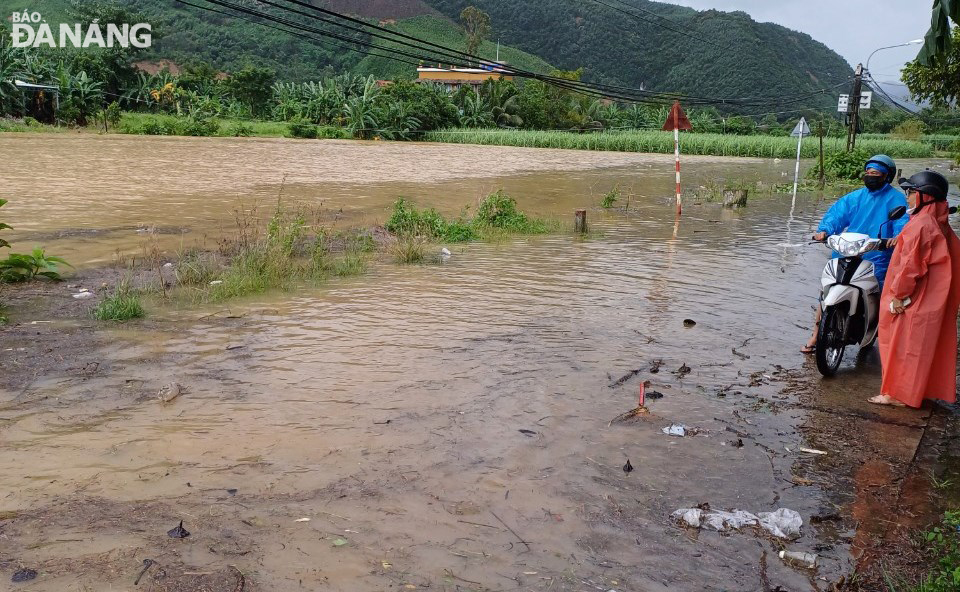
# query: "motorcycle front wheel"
{"type": "Point", "coordinates": [830, 345]}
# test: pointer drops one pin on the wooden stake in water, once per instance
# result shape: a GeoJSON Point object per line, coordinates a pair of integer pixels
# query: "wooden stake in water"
{"type": "Point", "coordinates": [580, 222]}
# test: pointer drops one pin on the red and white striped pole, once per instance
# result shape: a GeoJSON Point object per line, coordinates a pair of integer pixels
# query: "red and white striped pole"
{"type": "Point", "coordinates": [676, 152]}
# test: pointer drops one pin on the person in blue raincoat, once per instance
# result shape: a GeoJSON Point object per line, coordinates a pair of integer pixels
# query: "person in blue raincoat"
{"type": "Point", "coordinates": [865, 211]}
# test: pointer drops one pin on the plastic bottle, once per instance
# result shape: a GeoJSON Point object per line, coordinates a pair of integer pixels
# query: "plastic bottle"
{"type": "Point", "coordinates": [799, 559]}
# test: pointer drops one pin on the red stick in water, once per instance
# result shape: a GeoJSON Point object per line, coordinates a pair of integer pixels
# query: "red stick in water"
{"type": "Point", "coordinates": [643, 393]}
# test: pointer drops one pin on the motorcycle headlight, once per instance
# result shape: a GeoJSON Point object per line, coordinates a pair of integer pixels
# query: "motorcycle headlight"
{"type": "Point", "coordinates": [848, 248]}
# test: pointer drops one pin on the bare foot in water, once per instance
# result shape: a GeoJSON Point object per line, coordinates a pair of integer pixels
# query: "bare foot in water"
{"type": "Point", "coordinates": [810, 347]}
{"type": "Point", "coordinates": [885, 400]}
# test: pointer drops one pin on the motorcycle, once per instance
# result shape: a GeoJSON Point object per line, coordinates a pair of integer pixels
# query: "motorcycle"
{"type": "Point", "coordinates": [850, 296]}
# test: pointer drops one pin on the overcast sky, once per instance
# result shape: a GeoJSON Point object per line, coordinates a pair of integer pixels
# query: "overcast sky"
{"type": "Point", "coordinates": [852, 28]}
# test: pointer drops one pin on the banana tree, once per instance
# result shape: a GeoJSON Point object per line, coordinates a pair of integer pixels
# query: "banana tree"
{"type": "Point", "coordinates": [396, 123]}
{"type": "Point", "coordinates": [81, 97]}
{"type": "Point", "coordinates": [475, 112]}
{"type": "Point", "coordinates": [938, 41]}
{"type": "Point", "coordinates": [360, 119]}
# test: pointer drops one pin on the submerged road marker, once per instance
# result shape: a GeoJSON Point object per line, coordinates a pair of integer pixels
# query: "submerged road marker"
{"type": "Point", "coordinates": [676, 121]}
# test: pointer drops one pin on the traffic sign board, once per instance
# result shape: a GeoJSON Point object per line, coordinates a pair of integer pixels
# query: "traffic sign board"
{"type": "Point", "coordinates": [802, 129]}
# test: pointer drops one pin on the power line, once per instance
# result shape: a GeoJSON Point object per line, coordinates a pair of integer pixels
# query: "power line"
{"type": "Point", "coordinates": [640, 18]}
{"type": "Point", "coordinates": [606, 91]}
{"type": "Point", "coordinates": [289, 32]}
{"type": "Point", "coordinates": [641, 92]}
{"type": "Point", "coordinates": [448, 52]}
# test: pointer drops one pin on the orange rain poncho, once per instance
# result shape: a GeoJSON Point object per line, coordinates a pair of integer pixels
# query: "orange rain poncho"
{"type": "Point", "coordinates": [918, 348]}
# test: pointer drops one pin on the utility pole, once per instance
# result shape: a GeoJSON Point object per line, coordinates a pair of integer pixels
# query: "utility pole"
{"type": "Point", "coordinates": [853, 114]}
{"type": "Point", "coordinates": [821, 132]}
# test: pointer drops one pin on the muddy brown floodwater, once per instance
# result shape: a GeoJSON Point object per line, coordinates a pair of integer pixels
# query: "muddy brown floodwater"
{"type": "Point", "coordinates": [435, 427]}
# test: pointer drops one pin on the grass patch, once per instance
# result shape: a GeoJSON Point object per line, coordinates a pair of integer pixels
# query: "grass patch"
{"type": "Point", "coordinates": [159, 124]}
{"type": "Point", "coordinates": [497, 216]}
{"type": "Point", "coordinates": [943, 543]}
{"type": "Point", "coordinates": [662, 143]}
{"type": "Point", "coordinates": [409, 250]}
{"type": "Point", "coordinates": [195, 268]}
{"type": "Point", "coordinates": [124, 304]}
{"type": "Point", "coordinates": [280, 254]}
{"type": "Point", "coordinates": [351, 263]}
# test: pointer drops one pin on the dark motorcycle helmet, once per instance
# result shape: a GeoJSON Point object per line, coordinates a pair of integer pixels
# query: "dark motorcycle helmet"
{"type": "Point", "coordinates": [929, 183]}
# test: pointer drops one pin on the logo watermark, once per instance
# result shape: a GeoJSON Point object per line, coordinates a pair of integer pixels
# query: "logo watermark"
{"type": "Point", "coordinates": [30, 30]}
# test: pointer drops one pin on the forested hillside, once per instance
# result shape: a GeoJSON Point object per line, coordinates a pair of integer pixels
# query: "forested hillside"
{"type": "Point", "coordinates": [711, 54]}
{"type": "Point", "coordinates": [715, 54]}
{"type": "Point", "coordinates": [184, 34]}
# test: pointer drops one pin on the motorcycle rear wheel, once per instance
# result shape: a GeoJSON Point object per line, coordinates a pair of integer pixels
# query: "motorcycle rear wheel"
{"type": "Point", "coordinates": [830, 345]}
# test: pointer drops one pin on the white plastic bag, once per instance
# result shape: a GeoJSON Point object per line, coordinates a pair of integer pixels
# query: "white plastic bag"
{"type": "Point", "coordinates": [689, 516]}
{"type": "Point", "coordinates": [676, 429]}
{"type": "Point", "coordinates": [736, 519]}
{"type": "Point", "coordinates": [783, 523]}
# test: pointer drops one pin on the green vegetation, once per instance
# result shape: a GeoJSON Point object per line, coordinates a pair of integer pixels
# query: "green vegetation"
{"type": "Point", "coordinates": [25, 267]}
{"type": "Point", "coordinates": [351, 263]}
{"type": "Point", "coordinates": [281, 254]}
{"type": "Point", "coordinates": [499, 211]}
{"type": "Point", "coordinates": [162, 124]}
{"type": "Point", "coordinates": [662, 142]}
{"type": "Point", "coordinates": [443, 32]}
{"type": "Point", "coordinates": [944, 541]}
{"type": "Point", "coordinates": [496, 214]}
{"type": "Point", "coordinates": [409, 249]}
{"type": "Point", "coordinates": [939, 81]}
{"type": "Point", "coordinates": [754, 55]}
{"type": "Point", "coordinates": [611, 198]}
{"type": "Point", "coordinates": [3, 226]}
{"type": "Point", "coordinates": [257, 262]}
{"type": "Point", "coordinates": [254, 100]}
{"type": "Point", "coordinates": [842, 166]}
{"type": "Point", "coordinates": [124, 304]}
{"type": "Point", "coordinates": [941, 545]}
{"type": "Point", "coordinates": [476, 24]}
{"type": "Point", "coordinates": [738, 57]}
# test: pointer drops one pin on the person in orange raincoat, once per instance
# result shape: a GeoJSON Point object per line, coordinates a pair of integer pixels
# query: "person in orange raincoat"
{"type": "Point", "coordinates": [918, 307]}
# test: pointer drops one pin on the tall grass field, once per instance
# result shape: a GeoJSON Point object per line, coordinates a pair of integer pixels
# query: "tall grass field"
{"type": "Point", "coordinates": [662, 142]}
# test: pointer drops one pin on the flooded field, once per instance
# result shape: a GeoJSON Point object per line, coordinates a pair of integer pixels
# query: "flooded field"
{"type": "Point", "coordinates": [442, 427]}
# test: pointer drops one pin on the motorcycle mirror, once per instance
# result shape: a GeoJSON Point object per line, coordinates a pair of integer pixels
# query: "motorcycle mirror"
{"type": "Point", "coordinates": [897, 213]}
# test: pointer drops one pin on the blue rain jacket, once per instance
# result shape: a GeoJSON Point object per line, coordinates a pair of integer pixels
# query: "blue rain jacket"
{"type": "Point", "coordinates": [865, 211]}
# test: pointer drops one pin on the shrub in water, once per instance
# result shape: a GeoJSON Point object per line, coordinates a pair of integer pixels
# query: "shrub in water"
{"type": "Point", "coordinates": [198, 126]}
{"type": "Point", "coordinates": [240, 130]}
{"type": "Point", "coordinates": [302, 129]}
{"type": "Point", "coordinates": [498, 210]}
{"type": "Point", "coordinates": [610, 198]}
{"type": "Point", "coordinates": [844, 166]}
{"type": "Point", "coordinates": [408, 249]}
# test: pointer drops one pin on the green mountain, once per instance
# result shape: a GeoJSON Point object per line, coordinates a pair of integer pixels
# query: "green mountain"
{"type": "Point", "coordinates": [631, 43]}
{"type": "Point", "coordinates": [183, 34]}
{"type": "Point", "coordinates": [710, 53]}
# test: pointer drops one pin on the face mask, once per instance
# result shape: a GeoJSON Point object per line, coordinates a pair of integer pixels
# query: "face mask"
{"type": "Point", "coordinates": [874, 182]}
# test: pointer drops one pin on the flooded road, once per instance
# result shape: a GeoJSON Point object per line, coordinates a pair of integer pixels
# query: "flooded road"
{"type": "Point", "coordinates": [443, 427]}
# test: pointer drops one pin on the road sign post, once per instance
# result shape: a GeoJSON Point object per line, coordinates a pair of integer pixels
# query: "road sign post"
{"type": "Point", "coordinates": [798, 132]}
{"type": "Point", "coordinates": [676, 121]}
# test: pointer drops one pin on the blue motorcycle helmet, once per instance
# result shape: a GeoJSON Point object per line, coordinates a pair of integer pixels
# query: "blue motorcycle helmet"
{"type": "Point", "coordinates": [884, 164]}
